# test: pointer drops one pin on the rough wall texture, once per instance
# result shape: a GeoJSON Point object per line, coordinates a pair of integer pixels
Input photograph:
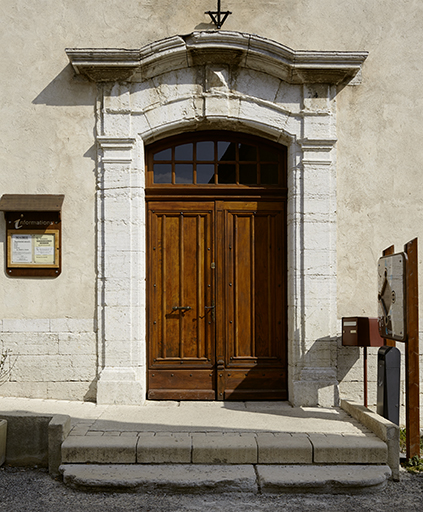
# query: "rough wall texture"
{"type": "Point", "coordinates": [48, 146]}
{"type": "Point", "coordinates": [49, 358]}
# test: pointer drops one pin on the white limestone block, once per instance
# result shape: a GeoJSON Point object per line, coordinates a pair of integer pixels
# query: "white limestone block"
{"type": "Point", "coordinates": [117, 323]}
{"type": "Point", "coordinates": [318, 235]}
{"type": "Point", "coordinates": [77, 343]}
{"type": "Point", "coordinates": [144, 95]}
{"type": "Point", "coordinates": [289, 97]}
{"type": "Point", "coordinates": [81, 391]}
{"type": "Point", "coordinates": [117, 97]}
{"type": "Point", "coordinates": [255, 84]}
{"type": "Point", "coordinates": [117, 124]}
{"type": "Point", "coordinates": [316, 97]}
{"type": "Point", "coordinates": [218, 106]}
{"type": "Point", "coordinates": [26, 325]}
{"type": "Point", "coordinates": [217, 79]}
{"type": "Point", "coordinates": [262, 113]}
{"type": "Point", "coordinates": [30, 343]}
{"type": "Point", "coordinates": [175, 113]}
{"type": "Point", "coordinates": [72, 325]}
{"type": "Point", "coordinates": [115, 176]}
{"type": "Point", "coordinates": [181, 83]}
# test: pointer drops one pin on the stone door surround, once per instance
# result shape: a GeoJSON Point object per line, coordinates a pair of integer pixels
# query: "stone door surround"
{"type": "Point", "coordinates": [224, 81]}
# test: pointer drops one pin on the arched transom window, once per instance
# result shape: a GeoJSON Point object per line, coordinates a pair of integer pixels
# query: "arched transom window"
{"type": "Point", "coordinates": [218, 159]}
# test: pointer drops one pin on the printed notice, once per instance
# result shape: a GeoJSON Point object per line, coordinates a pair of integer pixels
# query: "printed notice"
{"type": "Point", "coordinates": [33, 249]}
{"type": "Point", "coordinates": [44, 249]}
{"type": "Point", "coordinates": [21, 248]}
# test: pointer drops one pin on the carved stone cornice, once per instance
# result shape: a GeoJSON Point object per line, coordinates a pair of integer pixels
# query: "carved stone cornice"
{"type": "Point", "coordinates": [217, 47]}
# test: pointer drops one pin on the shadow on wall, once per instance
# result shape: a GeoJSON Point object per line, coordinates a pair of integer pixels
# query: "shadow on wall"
{"type": "Point", "coordinates": [347, 359]}
{"type": "Point", "coordinates": [70, 90]}
{"type": "Point", "coordinates": [67, 90]}
{"type": "Point", "coordinates": [321, 367]}
{"type": "Point", "coordinates": [91, 394]}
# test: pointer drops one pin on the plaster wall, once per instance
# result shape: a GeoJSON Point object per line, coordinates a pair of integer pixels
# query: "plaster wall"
{"type": "Point", "coordinates": [48, 131]}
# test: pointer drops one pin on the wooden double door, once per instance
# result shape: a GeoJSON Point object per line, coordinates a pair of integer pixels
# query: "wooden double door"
{"type": "Point", "coordinates": [217, 300]}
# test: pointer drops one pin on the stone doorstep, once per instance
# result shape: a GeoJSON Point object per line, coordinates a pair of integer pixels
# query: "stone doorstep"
{"type": "Point", "coordinates": [224, 448]}
{"type": "Point", "coordinates": [348, 449]}
{"type": "Point", "coordinates": [200, 478]}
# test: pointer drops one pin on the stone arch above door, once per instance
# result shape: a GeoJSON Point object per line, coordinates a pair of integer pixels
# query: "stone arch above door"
{"type": "Point", "coordinates": [225, 81]}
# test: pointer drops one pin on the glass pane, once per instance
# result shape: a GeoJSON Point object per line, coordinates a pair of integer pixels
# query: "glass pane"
{"type": "Point", "coordinates": [162, 173]}
{"type": "Point", "coordinates": [248, 174]}
{"type": "Point", "coordinates": [184, 173]}
{"type": "Point", "coordinates": [269, 174]}
{"type": "Point", "coordinates": [226, 173]}
{"type": "Point", "coordinates": [184, 152]}
{"type": "Point", "coordinates": [268, 155]}
{"type": "Point", "coordinates": [166, 154]}
{"type": "Point", "coordinates": [247, 152]}
{"type": "Point", "coordinates": [226, 151]}
{"type": "Point", "coordinates": [205, 150]}
{"type": "Point", "coordinates": [205, 173]}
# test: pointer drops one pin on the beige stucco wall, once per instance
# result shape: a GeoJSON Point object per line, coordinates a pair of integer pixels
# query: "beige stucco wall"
{"type": "Point", "coordinates": [48, 123]}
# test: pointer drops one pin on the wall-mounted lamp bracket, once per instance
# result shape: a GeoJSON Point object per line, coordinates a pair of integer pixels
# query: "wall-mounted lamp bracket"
{"type": "Point", "coordinates": [218, 17]}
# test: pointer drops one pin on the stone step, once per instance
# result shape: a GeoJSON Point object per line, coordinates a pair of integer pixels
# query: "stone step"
{"type": "Point", "coordinates": [224, 448]}
{"type": "Point", "coordinates": [200, 478]}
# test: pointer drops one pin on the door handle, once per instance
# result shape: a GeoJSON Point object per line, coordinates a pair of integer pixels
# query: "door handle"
{"type": "Point", "coordinates": [175, 308]}
{"type": "Point", "coordinates": [212, 307]}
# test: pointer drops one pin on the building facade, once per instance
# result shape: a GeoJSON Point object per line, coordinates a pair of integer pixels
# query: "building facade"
{"type": "Point", "coordinates": [227, 194]}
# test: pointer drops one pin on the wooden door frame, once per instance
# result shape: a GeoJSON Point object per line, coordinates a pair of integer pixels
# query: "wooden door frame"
{"type": "Point", "coordinates": [217, 194]}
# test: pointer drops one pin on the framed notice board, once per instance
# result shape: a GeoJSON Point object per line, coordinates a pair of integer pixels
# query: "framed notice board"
{"type": "Point", "coordinates": [33, 234]}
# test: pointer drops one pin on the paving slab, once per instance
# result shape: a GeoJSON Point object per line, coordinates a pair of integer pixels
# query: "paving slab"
{"type": "Point", "coordinates": [281, 448]}
{"type": "Point", "coordinates": [226, 417]}
{"type": "Point", "coordinates": [174, 416]}
{"type": "Point", "coordinates": [185, 478]}
{"type": "Point", "coordinates": [99, 449]}
{"type": "Point", "coordinates": [336, 479]}
{"type": "Point", "coordinates": [224, 448]}
{"type": "Point", "coordinates": [348, 449]}
{"type": "Point", "coordinates": [164, 447]}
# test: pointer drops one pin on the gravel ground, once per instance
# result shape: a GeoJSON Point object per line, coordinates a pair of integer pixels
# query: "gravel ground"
{"type": "Point", "coordinates": [33, 490]}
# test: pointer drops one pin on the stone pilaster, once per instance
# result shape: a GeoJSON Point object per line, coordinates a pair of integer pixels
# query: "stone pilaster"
{"type": "Point", "coordinates": [121, 273]}
{"type": "Point", "coordinates": [313, 271]}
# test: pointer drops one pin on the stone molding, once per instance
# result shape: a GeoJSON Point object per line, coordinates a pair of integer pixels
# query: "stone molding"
{"type": "Point", "coordinates": [116, 150]}
{"type": "Point", "coordinates": [186, 84]}
{"type": "Point", "coordinates": [217, 47]}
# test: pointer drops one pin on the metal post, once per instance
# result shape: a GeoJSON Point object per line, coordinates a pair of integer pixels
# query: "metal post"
{"type": "Point", "coordinates": [412, 377]}
{"type": "Point", "coordinates": [365, 376]}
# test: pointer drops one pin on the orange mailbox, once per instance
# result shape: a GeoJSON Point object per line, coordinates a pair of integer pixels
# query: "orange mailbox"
{"type": "Point", "coordinates": [361, 331]}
